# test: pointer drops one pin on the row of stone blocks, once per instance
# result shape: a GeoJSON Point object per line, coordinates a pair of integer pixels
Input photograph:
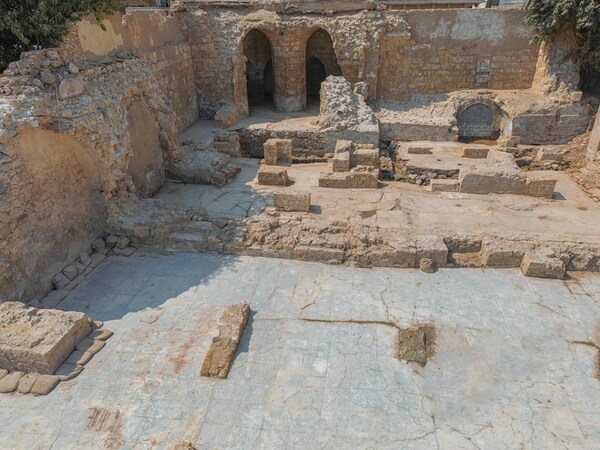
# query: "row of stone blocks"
{"type": "Point", "coordinates": [75, 273]}
{"type": "Point", "coordinates": [500, 175]}
{"type": "Point", "coordinates": [40, 348]}
{"type": "Point", "coordinates": [433, 251]}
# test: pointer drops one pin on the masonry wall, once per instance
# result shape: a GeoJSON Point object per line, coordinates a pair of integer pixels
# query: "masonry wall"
{"type": "Point", "coordinates": [56, 207]}
{"type": "Point", "coordinates": [151, 35]}
{"type": "Point", "coordinates": [448, 50]}
{"type": "Point", "coordinates": [594, 144]}
{"type": "Point", "coordinates": [397, 53]}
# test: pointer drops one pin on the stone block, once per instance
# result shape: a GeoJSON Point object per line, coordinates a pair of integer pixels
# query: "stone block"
{"type": "Point", "coordinates": [277, 151]}
{"type": "Point", "coordinates": [341, 162]}
{"type": "Point", "coordinates": [327, 255]}
{"type": "Point", "coordinates": [292, 201]}
{"type": "Point", "coordinates": [432, 247]}
{"type": "Point", "coordinates": [337, 180]}
{"type": "Point", "coordinates": [226, 116]}
{"type": "Point", "coordinates": [362, 177]}
{"type": "Point", "coordinates": [473, 152]}
{"type": "Point", "coordinates": [447, 185]}
{"type": "Point", "coordinates": [401, 253]}
{"type": "Point", "coordinates": [419, 150]}
{"type": "Point", "coordinates": [10, 382]}
{"type": "Point", "coordinates": [540, 185]}
{"type": "Point", "coordinates": [549, 154]}
{"type": "Point", "coordinates": [499, 160]}
{"type": "Point", "coordinates": [502, 254]}
{"type": "Point", "coordinates": [45, 384]}
{"type": "Point", "coordinates": [272, 176]}
{"type": "Point", "coordinates": [70, 87]}
{"type": "Point", "coordinates": [365, 157]}
{"type": "Point", "coordinates": [343, 146]}
{"type": "Point", "coordinates": [491, 181]}
{"type": "Point", "coordinates": [593, 148]}
{"type": "Point", "coordinates": [543, 263]}
{"type": "Point", "coordinates": [224, 344]}
{"type": "Point", "coordinates": [26, 382]}
{"type": "Point", "coordinates": [34, 340]}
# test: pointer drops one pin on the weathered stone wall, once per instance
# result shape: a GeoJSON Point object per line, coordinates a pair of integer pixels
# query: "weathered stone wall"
{"type": "Point", "coordinates": [72, 139]}
{"type": "Point", "coordinates": [447, 50]}
{"type": "Point", "coordinates": [396, 53]}
{"type": "Point", "coordinates": [153, 36]}
{"type": "Point", "coordinates": [594, 144]}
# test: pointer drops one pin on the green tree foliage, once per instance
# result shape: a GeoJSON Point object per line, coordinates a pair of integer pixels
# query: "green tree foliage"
{"type": "Point", "coordinates": [580, 19]}
{"type": "Point", "coordinates": [30, 24]}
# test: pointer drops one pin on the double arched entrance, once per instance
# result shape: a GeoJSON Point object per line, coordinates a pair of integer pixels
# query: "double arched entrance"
{"type": "Point", "coordinates": [269, 73]}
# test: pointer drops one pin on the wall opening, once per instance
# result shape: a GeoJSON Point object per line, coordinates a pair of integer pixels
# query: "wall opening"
{"type": "Point", "coordinates": [476, 122]}
{"type": "Point", "coordinates": [321, 62]}
{"type": "Point", "coordinates": [260, 78]}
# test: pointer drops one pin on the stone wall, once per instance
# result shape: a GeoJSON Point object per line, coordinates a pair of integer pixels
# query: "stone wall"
{"type": "Point", "coordinates": [396, 53]}
{"type": "Point", "coordinates": [447, 50]}
{"type": "Point", "coordinates": [73, 138]}
{"type": "Point", "coordinates": [153, 36]}
{"type": "Point", "coordinates": [593, 151]}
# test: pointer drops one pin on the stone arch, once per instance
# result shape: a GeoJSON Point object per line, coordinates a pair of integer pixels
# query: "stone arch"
{"type": "Point", "coordinates": [259, 74]}
{"type": "Point", "coordinates": [321, 62]}
{"type": "Point", "coordinates": [479, 119]}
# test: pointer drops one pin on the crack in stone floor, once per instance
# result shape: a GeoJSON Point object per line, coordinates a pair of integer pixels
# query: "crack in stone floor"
{"type": "Point", "coordinates": [505, 373]}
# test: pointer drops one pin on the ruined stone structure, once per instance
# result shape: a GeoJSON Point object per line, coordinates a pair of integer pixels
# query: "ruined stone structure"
{"type": "Point", "coordinates": [91, 129]}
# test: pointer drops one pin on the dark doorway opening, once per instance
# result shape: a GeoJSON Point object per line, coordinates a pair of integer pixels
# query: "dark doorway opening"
{"type": "Point", "coordinates": [315, 75]}
{"type": "Point", "coordinates": [321, 62]}
{"type": "Point", "coordinates": [260, 78]}
{"type": "Point", "coordinates": [476, 122]}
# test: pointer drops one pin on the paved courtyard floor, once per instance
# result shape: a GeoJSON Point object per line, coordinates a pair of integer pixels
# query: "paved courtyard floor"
{"type": "Point", "coordinates": [514, 364]}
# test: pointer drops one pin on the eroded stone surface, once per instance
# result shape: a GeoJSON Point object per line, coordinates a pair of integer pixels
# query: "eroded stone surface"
{"type": "Point", "coordinates": [34, 340]}
{"type": "Point", "coordinates": [224, 344]}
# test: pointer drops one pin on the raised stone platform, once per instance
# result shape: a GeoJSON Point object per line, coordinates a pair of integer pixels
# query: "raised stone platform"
{"type": "Point", "coordinates": [35, 340]}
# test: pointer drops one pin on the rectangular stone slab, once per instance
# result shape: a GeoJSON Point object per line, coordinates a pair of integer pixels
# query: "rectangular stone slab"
{"type": "Point", "coordinates": [224, 344]}
{"type": "Point", "coordinates": [38, 340]}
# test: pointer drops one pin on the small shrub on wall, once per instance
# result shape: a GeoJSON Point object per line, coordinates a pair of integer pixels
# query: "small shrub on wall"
{"type": "Point", "coordinates": [30, 24]}
{"type": "Point", "coordinates": [580, 19]}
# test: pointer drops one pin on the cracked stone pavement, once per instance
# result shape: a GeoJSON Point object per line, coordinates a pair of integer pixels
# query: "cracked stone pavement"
{"type": "Point", "coordinates": [514, 364]}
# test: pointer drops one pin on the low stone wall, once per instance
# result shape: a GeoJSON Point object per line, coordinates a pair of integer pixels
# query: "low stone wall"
{"type": "Point", "coordinates": [307, 145]}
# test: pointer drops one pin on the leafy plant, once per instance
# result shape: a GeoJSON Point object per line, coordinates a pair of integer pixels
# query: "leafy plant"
{"type": "Point", "coordinates": [31, 24]}
{"type": "Point", "coordinates": [580, 19]}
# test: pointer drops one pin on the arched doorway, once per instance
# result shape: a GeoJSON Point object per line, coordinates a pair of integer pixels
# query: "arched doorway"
{"type": "Point", "coordinates": [321, 62]}
{"type": "Point", "coordinates": [260, 80]}
{"type": "Point", "coordinates": [476, 122]}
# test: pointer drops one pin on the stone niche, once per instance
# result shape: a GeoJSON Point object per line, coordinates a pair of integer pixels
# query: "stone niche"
{"type": "Point", "coordinates": [60, 205]}
{"type": "Point", "coordinates": [146, 166]}
{"type": "Point", "coordinates": [37, 340]}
